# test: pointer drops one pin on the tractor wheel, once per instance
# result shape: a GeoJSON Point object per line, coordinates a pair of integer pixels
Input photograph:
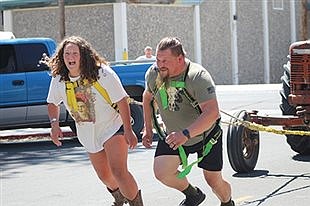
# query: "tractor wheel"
{"type": "Point", "coordinates": [242, 145]}
{"type": "Point", "coordinates": [299, 144]}
{"type": "Point", "coordinates": [285, 107]}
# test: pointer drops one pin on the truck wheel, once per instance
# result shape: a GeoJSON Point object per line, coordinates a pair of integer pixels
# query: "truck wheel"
{"type": "Point", "coordinates": [73, 127]}
{"type": "Point", "coordinates": [137, 119]}
{"type": "Point", "coordinates": [242, 145]}
{"type": "Point", "coordinates": [299, 144]}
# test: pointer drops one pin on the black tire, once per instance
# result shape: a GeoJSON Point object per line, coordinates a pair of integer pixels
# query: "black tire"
{"type": "Point", "coordinates": [299, 144]}
{"type": "Point", "coordinates": [242, 145]}
{"type": "Point", "coordinates": [72, 127]}
{"type": "Point", "coordinates": [285, 107]}
{"type": "Point", "coordinates": [137, 119]}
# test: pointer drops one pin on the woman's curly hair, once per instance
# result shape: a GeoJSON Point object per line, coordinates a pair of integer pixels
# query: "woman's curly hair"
{"type": "Point", "coordinates": [90, 60]}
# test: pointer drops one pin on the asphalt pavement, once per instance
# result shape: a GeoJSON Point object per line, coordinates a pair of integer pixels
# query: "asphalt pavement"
{"type": "Point", "coordinates": [38, 173]}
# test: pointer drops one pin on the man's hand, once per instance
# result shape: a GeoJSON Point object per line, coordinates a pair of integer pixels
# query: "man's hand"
{"type": "Point", "coordinates": [176, 139]}
{"type": "Point", "coordinates": [147, 138]}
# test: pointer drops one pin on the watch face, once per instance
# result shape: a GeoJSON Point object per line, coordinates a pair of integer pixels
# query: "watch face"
{"type": "Point", "coordinates": [186, 133]}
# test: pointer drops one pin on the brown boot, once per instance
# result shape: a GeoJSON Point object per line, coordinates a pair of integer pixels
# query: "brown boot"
{"type": "Point", "coordinates": [120, 200]}
{"type": "Point", "coordinates": [137, 201]}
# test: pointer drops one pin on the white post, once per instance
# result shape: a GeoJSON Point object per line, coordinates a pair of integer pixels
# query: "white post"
{"type": "Point", "coordinates": [120, 31]}
{"type": "Point", "coordinates": [234, 45]}
{"type": "Point", "coordinates": [293, 20]}
{"type": "Point", "coordinates": [266, 43]}
{"type": "Point", "coordinates": [8, 20]}
{"type": "Point", "coordinates": [197, 36]}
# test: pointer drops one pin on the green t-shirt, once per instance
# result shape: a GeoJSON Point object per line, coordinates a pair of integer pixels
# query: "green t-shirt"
{"type": "Point", "coordinates": [180, 113]}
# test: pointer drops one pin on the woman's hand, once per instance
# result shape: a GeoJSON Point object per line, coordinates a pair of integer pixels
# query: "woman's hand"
{"type": "Point", "coordinates": [55, 134]}
{"type": "Point", "coordinates": [131, 139]}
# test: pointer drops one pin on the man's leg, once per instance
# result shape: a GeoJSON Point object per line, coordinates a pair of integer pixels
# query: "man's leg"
{"type": "Point", "coordinates": [166, 171]}
{"type": "Point", "coordinates": [219, 186]}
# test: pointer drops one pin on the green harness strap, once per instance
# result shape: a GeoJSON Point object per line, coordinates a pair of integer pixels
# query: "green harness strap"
{"type": "Point", "coordinates": [186, 168]}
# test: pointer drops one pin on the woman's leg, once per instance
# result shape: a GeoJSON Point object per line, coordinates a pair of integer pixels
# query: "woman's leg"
{"type": "Point", "coordinates": [116, 149]}
{"type": "Point", "coordinates": [103, 170]}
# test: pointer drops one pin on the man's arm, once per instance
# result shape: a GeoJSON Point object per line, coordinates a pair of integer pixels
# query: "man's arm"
{"type": "Point", "coordinates": [210, 113]}
{"type": "Point", "coordinates": [147, 112]}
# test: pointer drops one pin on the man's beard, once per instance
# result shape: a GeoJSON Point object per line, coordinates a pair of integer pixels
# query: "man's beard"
{"type": "Point", "coordinates": [164, 75]}
{"type": "Point", "coordinates": [162, 78]}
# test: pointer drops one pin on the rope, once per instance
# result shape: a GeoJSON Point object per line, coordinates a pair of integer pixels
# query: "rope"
{"type": "Point", "coordinates": [257, 127]}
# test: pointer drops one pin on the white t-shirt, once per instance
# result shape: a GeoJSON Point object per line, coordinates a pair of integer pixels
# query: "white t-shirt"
{"type": "Point", "coordinates": [143, 57]}
{"type": "Point", "coordinates": [102, 120]}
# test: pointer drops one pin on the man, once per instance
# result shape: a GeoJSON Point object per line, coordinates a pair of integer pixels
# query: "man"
{"type": "Point", "coordinates": [176, 83]}
{"type": "Point", "coordinates": [148, 54]}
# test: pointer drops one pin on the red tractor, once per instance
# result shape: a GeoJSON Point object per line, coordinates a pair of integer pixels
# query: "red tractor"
{"type": "Point", "coordinates": [243, 143]}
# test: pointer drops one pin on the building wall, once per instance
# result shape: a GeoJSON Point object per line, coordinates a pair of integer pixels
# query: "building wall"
{"type": "Point", "coordinates": [250, 41]}
{"type": "Point", "coordinates": [215, 40]}
{"type": "Point", "coordinates": [148, 23]}
{"type": "Point", "coordinates": [96, 28]}
{"type": "Point", "coordinates": [279, 39]}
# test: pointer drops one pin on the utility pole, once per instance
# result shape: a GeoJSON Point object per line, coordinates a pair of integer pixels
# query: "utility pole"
{"type": "Point", "coordinates": [62, 25]}
{"type": "Point", "coordinates": [303, 20]}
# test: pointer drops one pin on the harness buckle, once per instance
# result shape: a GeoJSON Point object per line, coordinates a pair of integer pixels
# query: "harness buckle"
{"type": "Point", "coordinates": [195, 104]}
{"type": "Point", "coordinates": [213, 141]}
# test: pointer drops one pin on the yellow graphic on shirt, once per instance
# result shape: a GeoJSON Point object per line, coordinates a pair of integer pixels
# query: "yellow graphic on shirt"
{"type": "Point", "coordinates": [85, 99]}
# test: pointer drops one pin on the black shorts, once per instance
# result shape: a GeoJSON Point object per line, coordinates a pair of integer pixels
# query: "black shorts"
{"type": "Point", "coordinates": [120, 131]}
{"type": "Point", "coordinates": [212, 162]}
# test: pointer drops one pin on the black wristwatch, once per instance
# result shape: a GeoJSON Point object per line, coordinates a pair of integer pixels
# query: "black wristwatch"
{"type": "Point", "coordinates": [186, 133]}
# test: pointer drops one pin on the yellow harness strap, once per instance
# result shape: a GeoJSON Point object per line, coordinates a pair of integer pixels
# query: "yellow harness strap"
{"type": "Point", "coordinates": [105, 94]}
{"type": "Point", "coordinates": [72, 99]}
{"type": "Point", "coordinates": [71, 95]}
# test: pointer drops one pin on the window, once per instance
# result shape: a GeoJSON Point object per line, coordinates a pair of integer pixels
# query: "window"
{"type": "Point", "coordinates": [7, 59]}
{"type": "Point", "coordinates": [31, 54]}
{"type": "Point", "coordinates": [277, 4]}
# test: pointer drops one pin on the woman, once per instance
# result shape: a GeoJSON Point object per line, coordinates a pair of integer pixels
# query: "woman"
{"type": "Point", "coordinates": [106, 134]}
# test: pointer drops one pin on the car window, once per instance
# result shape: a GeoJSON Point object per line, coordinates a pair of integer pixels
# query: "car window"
{"type": "Point", "coordinates": [7, 59]}
{"type": "Point", "coordinates": [31, 55]}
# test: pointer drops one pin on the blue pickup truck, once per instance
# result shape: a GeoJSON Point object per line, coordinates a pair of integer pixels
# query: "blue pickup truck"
{"type": "Point", "coordinates": [24, 85]}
